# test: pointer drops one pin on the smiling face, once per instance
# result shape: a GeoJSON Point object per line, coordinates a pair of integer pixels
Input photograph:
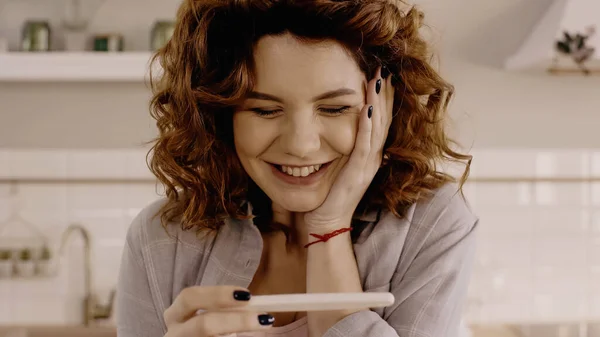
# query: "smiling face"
{"type": "Point", "coordinates": [297, 129]}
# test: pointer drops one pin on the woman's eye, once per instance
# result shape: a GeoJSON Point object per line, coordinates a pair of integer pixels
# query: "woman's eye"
{"type": "Point", "coordinates": [265, 113]}
{"type": "Point", "coordinates": [335, 111]}
{"type": "Point", "coordinates": [330, 111]}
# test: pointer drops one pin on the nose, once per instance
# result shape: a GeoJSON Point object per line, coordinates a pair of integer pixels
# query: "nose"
{"type": "Point", "coordinates": [301, 136]}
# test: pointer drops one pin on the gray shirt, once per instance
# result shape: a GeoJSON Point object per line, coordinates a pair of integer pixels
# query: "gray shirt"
{"type": "Point", "coordinates": [424, 259]}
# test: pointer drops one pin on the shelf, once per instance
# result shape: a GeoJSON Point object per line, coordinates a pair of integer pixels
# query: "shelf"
{"type": "Point", "coordinates": [74, 67]}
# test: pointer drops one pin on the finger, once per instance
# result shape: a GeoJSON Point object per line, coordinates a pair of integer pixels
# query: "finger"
{"type": "Point", "coordinates": [374, 98]}
{"type": "Point", "coordinates": [378, 132]}
{"type": "Point", "coordinates": [378, 115]}
{"type": "Point", "coordinates": [362, 144]}
{"type": "Point", "coordinates": [387, 107]}
{"type": "Point", "coordinates": [210, 324]}
{"type": "Point", "coordinates": [389, 95]}
{"type": "Point", "coordinates": [192, 299]}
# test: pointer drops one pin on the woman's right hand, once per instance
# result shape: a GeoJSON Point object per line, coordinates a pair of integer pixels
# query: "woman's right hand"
{"type": "Point", "coordinates": [183, 321]}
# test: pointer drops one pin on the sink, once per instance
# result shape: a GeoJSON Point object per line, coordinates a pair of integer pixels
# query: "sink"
{"type": "Point", "coordinates": [57, 331]}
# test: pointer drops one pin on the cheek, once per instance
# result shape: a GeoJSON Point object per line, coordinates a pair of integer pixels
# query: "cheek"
{"type": "Point", "coordinates": [341, 133]}
{"type": "Point", "coordinates": [250, 135]}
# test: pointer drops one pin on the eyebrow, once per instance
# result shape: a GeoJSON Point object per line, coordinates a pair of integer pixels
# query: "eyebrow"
{"type": "Point", "coordinates": [327, 95]}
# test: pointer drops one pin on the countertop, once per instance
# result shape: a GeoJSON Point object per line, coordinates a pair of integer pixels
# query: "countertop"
{"type": "Point", "coordinates": [57, 331]}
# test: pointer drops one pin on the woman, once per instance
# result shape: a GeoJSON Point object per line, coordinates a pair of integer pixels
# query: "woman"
{"type": "Point", "coordinates": [298, 146]}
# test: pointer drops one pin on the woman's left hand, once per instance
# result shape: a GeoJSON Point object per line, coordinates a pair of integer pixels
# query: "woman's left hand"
{"type": "Point", "coordinates": [364, 162]}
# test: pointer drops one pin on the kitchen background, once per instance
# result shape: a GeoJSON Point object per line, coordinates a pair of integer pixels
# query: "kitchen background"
{"type": "Point", "coordinates": [73, 128]}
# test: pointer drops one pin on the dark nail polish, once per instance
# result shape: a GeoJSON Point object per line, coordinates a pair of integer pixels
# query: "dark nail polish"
{"type": "Point", "coordinates": [240, 295]}
{"type": "Point", "coordinates": [370, 112]}
{"type": "Point", "coordinates": [378, 86]}
{"type": "Point", "coordinates": [385, 72]}
{"type": "Point", "coordinates": [266, 319]}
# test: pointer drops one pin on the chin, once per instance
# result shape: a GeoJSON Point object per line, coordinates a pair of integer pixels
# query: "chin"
{"type": "Point", "coordinates": [300, 208]}
{"type": "Point", "coordinates": [299, 205]}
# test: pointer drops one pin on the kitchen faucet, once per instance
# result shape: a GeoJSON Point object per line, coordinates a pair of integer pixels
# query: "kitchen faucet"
{"type": "Point", "coordinates": [92, 309]}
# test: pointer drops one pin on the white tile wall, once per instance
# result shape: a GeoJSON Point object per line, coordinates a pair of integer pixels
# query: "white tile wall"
{"type": "Point", "coordinates": [539, 252]}
{"type": "Point", "coordinates": [104, 209]}
{"type": "Point", "coordinates": [538, 256]}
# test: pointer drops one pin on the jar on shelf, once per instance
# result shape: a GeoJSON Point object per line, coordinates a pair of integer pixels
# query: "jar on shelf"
{"type": "Point", "coordinates": [6, 263]}
{"type": "Point", "coordinates": [36, 36]}
{"type": "Point", "coordinates": [109, 43]}
{"type": "Point", "coordinates": [25, 265]}
{"type": "Point", "coordinates": [44, 262]}
{"type": "Point", "coordinates": [21, 238]}
{"type": "Point", "coordinates": [161, 34]}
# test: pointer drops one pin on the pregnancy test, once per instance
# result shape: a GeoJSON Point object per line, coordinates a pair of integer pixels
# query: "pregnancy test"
{"type": "Point", "coordinates": [316, 302]}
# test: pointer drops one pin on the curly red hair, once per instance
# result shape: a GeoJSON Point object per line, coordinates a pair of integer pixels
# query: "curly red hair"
{"type": "Point", "coordinates": [208, 69]}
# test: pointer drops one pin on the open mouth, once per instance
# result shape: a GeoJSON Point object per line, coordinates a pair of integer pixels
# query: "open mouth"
{"type": "Point", "coordinates": [304, 171]}
{"type": "Point", "coordinates": [297, 174]}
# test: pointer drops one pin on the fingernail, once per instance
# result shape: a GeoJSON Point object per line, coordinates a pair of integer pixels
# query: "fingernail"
{"type": "Point", "coordinates": [385, 72]}
{"type": "Point", "coordinates": [378, 86]}
{"type": "Point", "coordinates": [266, 319]}
{"type": "Point", "coordinates": [370, 112]}
{"type": "Point", "coordinates": [240, 295]}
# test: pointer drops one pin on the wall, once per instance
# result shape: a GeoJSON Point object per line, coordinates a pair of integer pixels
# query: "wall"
{"type": "Point", "coordinates": [537, 110]}
{"type": "Point", "coordinates": [538, 256]}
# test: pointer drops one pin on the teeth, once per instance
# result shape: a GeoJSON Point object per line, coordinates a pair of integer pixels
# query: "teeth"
{"type": "Point", "coordinates": [300, 171]}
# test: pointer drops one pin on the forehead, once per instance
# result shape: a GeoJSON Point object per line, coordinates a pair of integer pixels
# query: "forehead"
{"type": "Point", "coordinates": [284, 63]}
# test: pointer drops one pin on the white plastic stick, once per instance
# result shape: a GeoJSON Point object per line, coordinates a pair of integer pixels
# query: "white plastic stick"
{"type": "Point", "coordinates": [317, 302]}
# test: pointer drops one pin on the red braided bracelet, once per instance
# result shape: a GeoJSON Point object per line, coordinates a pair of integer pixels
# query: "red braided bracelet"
{"type": "Point", "coordinates": [327, 236]}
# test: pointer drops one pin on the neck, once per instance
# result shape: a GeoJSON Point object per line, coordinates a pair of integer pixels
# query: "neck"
{"type": "Point", "coordinates": [279, 247]}
{"type": "Point", "coordinates": [294, 221]}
